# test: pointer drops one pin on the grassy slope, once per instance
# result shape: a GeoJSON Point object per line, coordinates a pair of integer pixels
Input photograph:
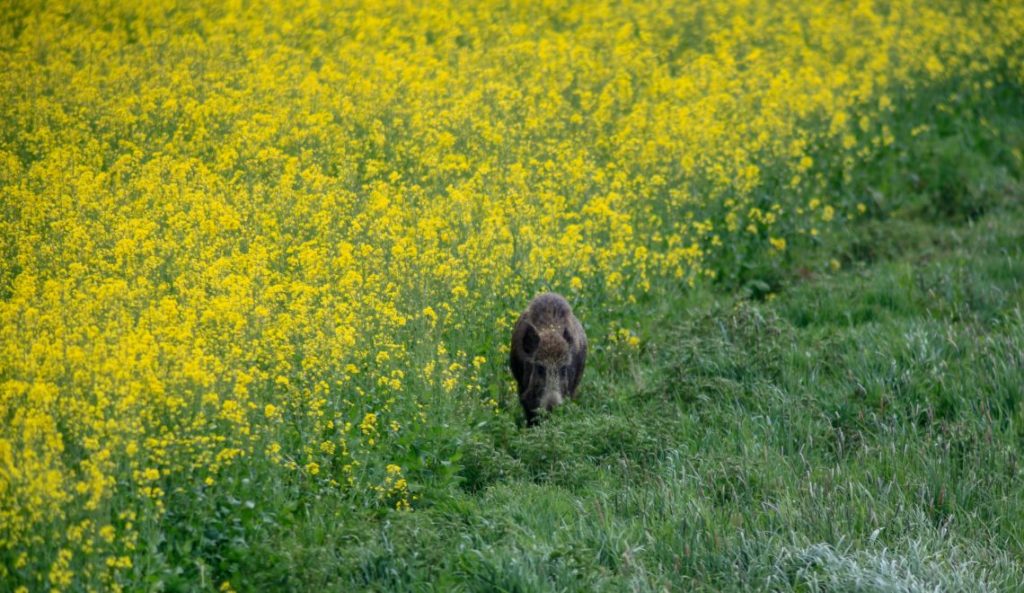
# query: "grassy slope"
{"type": "Point", "coordinates": [863, 431]}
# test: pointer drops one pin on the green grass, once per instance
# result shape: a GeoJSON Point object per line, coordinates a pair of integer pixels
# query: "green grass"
{"type": "Point", "coordinates": [861, 431]}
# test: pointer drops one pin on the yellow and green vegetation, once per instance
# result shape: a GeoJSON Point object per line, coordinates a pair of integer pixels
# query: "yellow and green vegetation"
{"type": "Point", "coordinates": [259, 262]}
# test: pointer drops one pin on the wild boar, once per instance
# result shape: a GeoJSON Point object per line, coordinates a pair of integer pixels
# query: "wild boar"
{"type": "Point", "coordinates": [549, 351]}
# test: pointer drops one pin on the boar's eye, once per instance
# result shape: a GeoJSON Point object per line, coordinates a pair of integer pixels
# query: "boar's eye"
{"type": "Point", "coordinates": [531, 340]}
{"type": "Point", "coordinates": [540, 370]}
{"type": "Point", "coordinates": [567, 335]}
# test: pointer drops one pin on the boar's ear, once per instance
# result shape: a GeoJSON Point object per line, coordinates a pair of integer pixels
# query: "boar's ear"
{"type": "Point", "coordinates": [530, 340]}
{"type": "Point", "coordinates": [576, 365]}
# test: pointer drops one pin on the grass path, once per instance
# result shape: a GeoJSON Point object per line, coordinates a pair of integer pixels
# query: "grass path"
{"type": "Point", "coordinates": [861, 431]}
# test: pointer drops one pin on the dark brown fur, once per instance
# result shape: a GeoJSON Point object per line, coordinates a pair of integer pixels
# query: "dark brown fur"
{"type": "Point", "coordinates": [549, 351]}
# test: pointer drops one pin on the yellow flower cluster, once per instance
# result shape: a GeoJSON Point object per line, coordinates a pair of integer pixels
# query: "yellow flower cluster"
{"type": "Point", "coordinates": [275, 231]}
{"type": "Point", "coordinates": [394, 488]}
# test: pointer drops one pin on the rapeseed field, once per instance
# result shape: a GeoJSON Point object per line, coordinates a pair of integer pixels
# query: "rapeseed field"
{"type": "Point", "coordinates": [281, 244]}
